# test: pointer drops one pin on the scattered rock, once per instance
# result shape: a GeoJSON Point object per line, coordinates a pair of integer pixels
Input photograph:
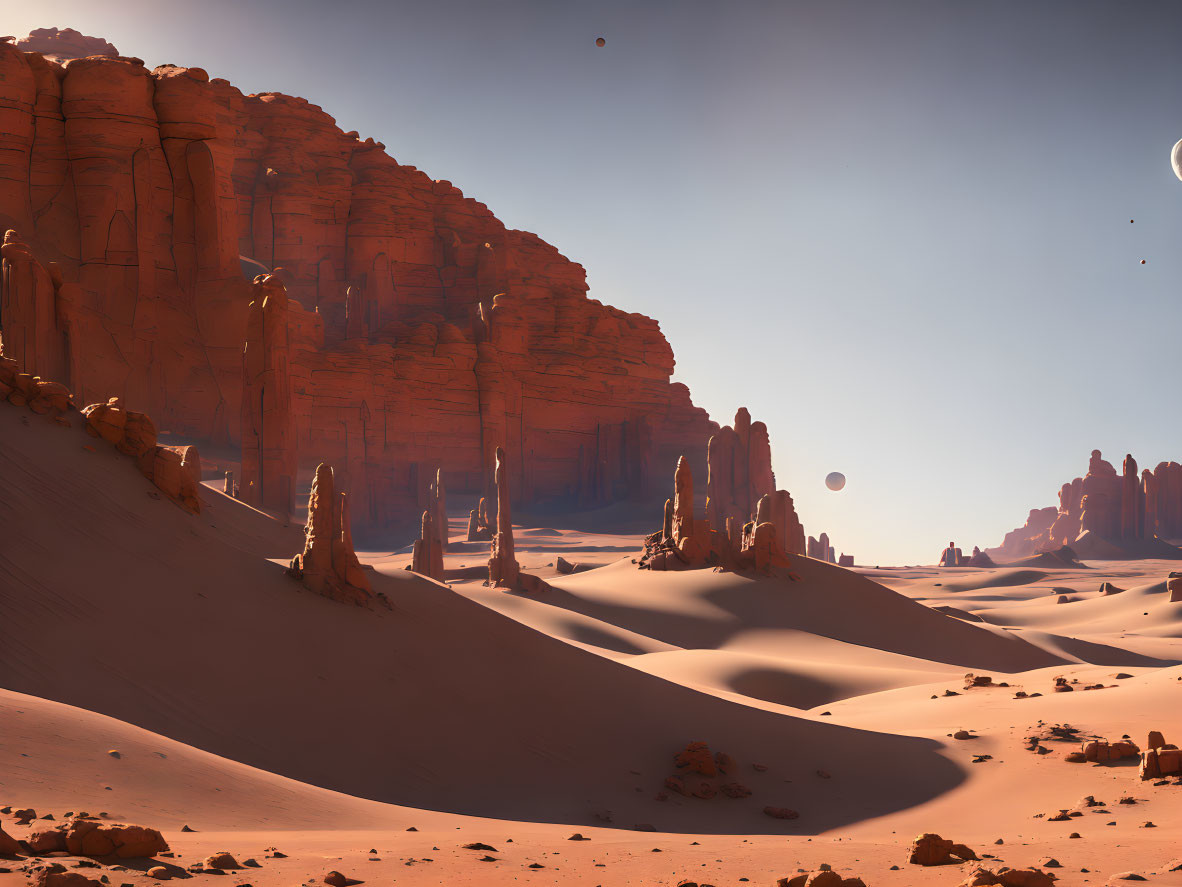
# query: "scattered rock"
{"type": "Point", "coordinates": [931, 849]}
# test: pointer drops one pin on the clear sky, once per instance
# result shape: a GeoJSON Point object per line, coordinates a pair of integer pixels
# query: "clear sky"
{"type": "Point", "coordinates": [897, 231]}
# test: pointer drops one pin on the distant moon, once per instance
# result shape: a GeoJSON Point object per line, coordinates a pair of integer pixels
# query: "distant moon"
{"type": "Point", "coordinates": [835, 480]}
{"type": "Point", "coordinates": [1176, 158]}
{"type": "Point", "coordinates": [599, 41]}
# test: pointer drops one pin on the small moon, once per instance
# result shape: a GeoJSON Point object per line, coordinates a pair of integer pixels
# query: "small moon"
{"type": "Point", "coordinates": [835, 480]}
{"type": "Point", "coordinates": [1176, 158]}
{"type": "Point", "coordinates": [599, 41]}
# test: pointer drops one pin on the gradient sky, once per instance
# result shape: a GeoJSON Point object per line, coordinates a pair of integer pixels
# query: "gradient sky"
{"type": "Point", "coordinates": [897, 231]}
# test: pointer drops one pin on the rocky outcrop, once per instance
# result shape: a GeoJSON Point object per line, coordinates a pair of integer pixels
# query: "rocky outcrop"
{"type": "Point", "coordinates": [820, 549]}
{"type": "Point", "coordinates": [64, 44]}
{"type": "Point", "coordinates": [824, 877]}
{"type": "Point", "coordinates": [87, 837]}
{"type": "Point", "coordinates": [951, 556]}
{"type": "Point", "coordinates": [328, 564]}
{"type": "Point", "coordinates": [421, 331]}
{"type": "Point", "coordinates": [931, 849]}
{"type": "Point", "coordinates": [9, 846]}
{"type": "Point", "coordinates": [1174, 587]}
{"type": "Point", "coordinates": [1007, 877]}
{"type": "Point", "coordinates": [739, 470]}
{"type": "Point", "coordinates": [687, 541]}
{"type": "Point", "coordinates": [1098, 751]}
{"type": "Point", "coordinates": [980, 559]}
{"type": "Point", "coordinates": [54, 874]}
{"type": "Point", "coordinates": [1160, 758]}
{"type": "Point", "coordinates": [1107, 515]}
{"type": "Point", "coordinates": [268, 430]}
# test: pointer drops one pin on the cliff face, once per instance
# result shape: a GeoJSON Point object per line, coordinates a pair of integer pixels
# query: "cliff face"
{"type": "Point", "coordinates": [422, 332]}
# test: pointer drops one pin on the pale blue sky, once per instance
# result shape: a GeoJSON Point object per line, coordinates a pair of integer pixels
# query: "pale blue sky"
{"type": "Point", "coordinates": [897, 232]}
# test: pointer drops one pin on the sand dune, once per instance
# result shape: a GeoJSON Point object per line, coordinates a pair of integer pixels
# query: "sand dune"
{"type": "Point", "coordinates": [131, 608]}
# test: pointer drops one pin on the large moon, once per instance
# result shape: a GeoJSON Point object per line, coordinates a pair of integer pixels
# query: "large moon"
{"type": "Point", "coordinates": [835, 480]}
{"type": "Point", "coordinates": [1176, 158]}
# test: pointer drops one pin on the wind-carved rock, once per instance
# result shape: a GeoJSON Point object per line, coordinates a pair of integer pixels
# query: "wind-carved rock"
{"type": "Point", "coordinates": [686, 541]}
{"type": "Point", "coordinates": [739, 471]}
{"type": "Point", "coordinates": [951, 556]}
{"type": "Point", "coordinates": [502, 564]}
{"type": "Point", "coordinates": [176, 471]}
{"type": "Point", "coordinates": [1107, 515]}
{"type": "Point", "coordinates": [820, 549]}
{"type": "Point", "coordinates": [479, 523]}
{"type": "Point", "coordinates": [427, 556]}
{"type": "Point", "coordinates": [328, 564]}
{"type": "Point", "coordinates": [268, 431]}
{"type": "Point", "coordinates": [438, 507]}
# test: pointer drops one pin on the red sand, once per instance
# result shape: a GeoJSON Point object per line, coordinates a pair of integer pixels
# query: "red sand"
{"type": "Point", "coordinates": [262, 715]}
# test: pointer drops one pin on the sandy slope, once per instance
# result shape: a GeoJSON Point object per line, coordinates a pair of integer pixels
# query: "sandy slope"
{"type": "Point", "coordinates": [179, 643]}
{"type": "Point", "coordinates": [156, 619]}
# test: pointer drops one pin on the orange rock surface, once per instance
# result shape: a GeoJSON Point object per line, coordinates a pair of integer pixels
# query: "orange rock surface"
{"type": "Point", "coordinates": [421, 331]}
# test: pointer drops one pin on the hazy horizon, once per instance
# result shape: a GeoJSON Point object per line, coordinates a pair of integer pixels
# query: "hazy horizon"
{"type": "Point", "coordinates": [899, 234]}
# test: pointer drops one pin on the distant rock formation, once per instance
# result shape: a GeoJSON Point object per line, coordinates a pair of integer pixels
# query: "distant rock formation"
{"type": "Point", "coordinates": [328, 564]}
{"type": "Point", "coordinates": [951, 556]}
{"type": "Point", "coordinates": [420, 330]}
{"type": "Point", "coordinates": [820, 549]}
{"type": "Point", "coordinates": [63, 44]}
{"type": "Point", "coordinates": [1107, 515]}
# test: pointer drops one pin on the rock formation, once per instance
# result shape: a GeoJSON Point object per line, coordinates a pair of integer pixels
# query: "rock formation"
{"type": "Point", "coordinates": [268, 433]}
{"type": "Point", "coordinates": [328, 564]}
{"type": "Point", "coordinates": [87, 837]}
{"type": "Point", "coordinates": [479, 523]}
{"type": "Point", "coordinates": [686, 541]}
{"type": "Point", "coordinates": [739, 470]}
{"type": "Point", "coordinates": [427, 557]}
{"type": "Point", "coordinates": [502, 563]}
{"type": "Point", "coordinates": [1098, 751]}
{"type": "Point", "coordinates": [1160, 758]}
{"type": "Point", "coordinates": [824, 877]}
{"type": "Point", "coordinates": [820, 549]}
{"type": "Point", "coordinates": [931, 849]}
{"type": "Point", "coordinates": [1174, 587]}
{"type": "Point", "coordinates": [421, 331]}
{"type": "Point", "coordinates": [1007, 877]}
{"type": "Point", "coordinates": [438, 506]}
{"type": "Point", "coordinates": [1107, 515]}
{"type": "Point", "coordinates": [951, 556]}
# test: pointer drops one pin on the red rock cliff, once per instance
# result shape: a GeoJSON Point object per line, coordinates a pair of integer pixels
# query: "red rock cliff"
{"type": "Point", "coordinates": [422, 331]}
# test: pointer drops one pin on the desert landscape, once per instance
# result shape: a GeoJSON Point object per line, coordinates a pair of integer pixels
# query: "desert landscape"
{"type": "Point", "coordinates": [344, 539]}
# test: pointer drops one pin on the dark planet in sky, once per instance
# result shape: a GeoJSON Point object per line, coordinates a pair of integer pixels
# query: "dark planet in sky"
{"type": "Point", "coordinates": [599, 41]}
{"type": "Point", "coordinates": [835, 480]}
